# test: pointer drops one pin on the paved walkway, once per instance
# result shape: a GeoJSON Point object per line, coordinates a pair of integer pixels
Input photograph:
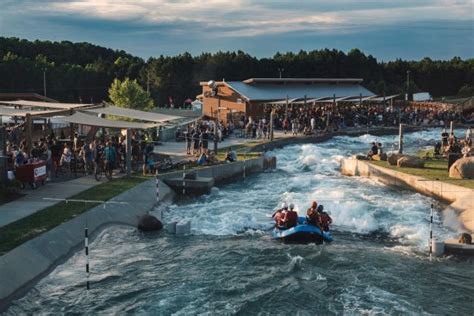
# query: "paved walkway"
{"type": "Point", "coordinates": [177, 150]}
{"type": "Point", "coordinates": [33, 201]}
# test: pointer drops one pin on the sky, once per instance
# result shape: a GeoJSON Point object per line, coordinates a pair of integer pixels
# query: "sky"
{"type": "Point", "coordinates": [386, 29]}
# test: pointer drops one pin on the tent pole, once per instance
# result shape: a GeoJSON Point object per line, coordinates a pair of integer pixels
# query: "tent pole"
{"type": "Point", "coordinates": [128, 150]}
{"type": "Point", "coordinates": [29, 133]}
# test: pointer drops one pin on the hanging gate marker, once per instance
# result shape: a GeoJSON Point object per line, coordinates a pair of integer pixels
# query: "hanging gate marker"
{"type": "Point", "coordinates": [157, 183]}
{"type": "Point", "coordinates": [184, 179]}
{"type": "Point", "coordinates": [431, 232]}
{"type": "Point", "coordinates": [86, 245]}
{"type": "Point", "coordinates": [245, 156]}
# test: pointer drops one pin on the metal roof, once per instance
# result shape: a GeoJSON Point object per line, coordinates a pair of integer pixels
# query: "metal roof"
{"type": "Point", "coordinates": [303, 80]}
{"type": "Point", "coordinates": [278, 91]}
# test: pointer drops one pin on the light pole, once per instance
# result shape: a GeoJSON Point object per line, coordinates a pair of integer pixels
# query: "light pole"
{"type": "Point", "coordinates": [280, 70]}
{"type": "Point", "coordinates": [408, 85]}
{"type": "Point", "coordinates": [215, 92]}
{"type": "Point", "coordinates": [44, 81]}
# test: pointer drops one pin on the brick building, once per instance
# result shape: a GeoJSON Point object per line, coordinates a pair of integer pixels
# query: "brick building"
{"type": "Point", "coordinates": [249, 97]}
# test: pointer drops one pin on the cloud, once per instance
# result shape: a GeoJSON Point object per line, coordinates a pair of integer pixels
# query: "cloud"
{"type": "Point", "coordinates": [151, 27]}
{"type": "Point", "coordinates": [249, 18]}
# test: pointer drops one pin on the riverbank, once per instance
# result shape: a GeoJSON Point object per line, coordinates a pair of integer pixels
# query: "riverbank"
{"type": "Point", "coordinates": [459, 198]}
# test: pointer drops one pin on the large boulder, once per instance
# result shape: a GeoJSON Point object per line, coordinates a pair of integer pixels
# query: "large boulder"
{"type": "Point", "coordinates": [393, 158]}
{"type": "Point", "coordinates": [149, 223]}
{"type": "Point", "coordinates": [462, 169]}
{"type": "Point", "coordinates": [410, 162]}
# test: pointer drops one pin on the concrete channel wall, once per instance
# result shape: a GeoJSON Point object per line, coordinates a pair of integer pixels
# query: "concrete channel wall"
{"type": "Point", "coordinates": [461, 199]}
{"type": "Point", "coordinates": [223, 172]}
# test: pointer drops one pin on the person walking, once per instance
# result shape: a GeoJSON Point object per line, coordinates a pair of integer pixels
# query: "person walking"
{"type": "Point", "coordinates": [110, 155]}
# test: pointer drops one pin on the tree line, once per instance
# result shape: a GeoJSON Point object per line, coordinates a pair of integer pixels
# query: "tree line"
{"type": "Point", "coordinates": [83, 72]}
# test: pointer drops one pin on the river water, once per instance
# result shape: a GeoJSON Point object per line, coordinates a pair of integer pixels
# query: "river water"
{"type": "Point", "coordinates": [378, 263]}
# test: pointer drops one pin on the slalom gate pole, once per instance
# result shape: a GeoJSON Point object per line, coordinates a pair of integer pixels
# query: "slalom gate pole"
{"type": "Point", "coordinates": [431, 232]}
{"type": "Point", "coordinates": [184, 179]}
{"type": "Point", "coordinates": [245, 156]}
{"type": "Point", "coordinates": [86, 244]}
{"type": "Point", "coordinates": [157, 184]}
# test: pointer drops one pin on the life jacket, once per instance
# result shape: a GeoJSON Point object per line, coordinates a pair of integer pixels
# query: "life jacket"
{"type": "Point", "coordinates": [325, 220]}
{"type": "Point", "coordinates": [312, 216]}
{"type": "Point", "coordinates": [291, 219]}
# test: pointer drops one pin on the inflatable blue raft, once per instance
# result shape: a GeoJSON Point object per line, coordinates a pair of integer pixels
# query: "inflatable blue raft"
{"type": "Point", "coordinates": [302, 233]}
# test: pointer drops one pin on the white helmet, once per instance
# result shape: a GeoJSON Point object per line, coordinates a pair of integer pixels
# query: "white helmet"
{"type": "Point", "coordinates": [284, 205]}
{"type": "Point", "coordinates": [292, 206]}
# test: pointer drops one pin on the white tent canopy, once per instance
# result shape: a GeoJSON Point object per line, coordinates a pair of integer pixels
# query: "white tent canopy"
{"type": "Point", "coordinates": [8, 111]}
{"type": "Point", "coordinates": [50, 105]}
{"type": "Point", "coordinates": [134, 114]}
{"type": "Point", "coordinates": [91, 120]}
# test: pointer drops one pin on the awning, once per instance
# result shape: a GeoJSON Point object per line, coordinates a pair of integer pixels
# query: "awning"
{"type": "Point", "coordinates": [381, 99]}
{"type": "Point", "coordinates": [50, 105]}
{"type": "Point", "coordinates": [134, 114]}
{"type": "Point", "coordinates": [282, 102]}
{"type": "Point", "coordinates": [93, 120]}
{"type": "Point", "coordinates": [8, 111]}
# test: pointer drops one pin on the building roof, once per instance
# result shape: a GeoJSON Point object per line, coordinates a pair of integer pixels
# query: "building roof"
{"type": "Point", "coordinates": [303, 80]}
{"type": "Point", "coordinates": [279, 91]}
{"type": "Point", "coordinates": [135, 114]}
{"type": "Point", "coordinates": [93, 120]}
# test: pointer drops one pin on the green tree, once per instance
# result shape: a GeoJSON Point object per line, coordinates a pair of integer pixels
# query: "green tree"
{"type": "Point", "coordinates": [129, 94]}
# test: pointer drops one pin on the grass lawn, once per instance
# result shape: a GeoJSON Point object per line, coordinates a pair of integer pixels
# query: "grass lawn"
{"type": "Point", "coordinates": [434, 170]}
{"type": "Point", "coordinates": [16, 233]}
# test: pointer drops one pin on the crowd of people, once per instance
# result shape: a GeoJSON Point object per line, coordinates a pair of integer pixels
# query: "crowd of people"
{"type": "Point", "coordinates": [310, 119]}
{"type": "Point", "coordinates": [90, 156]}
{"type": "Point", "coordinates": [450, 144]}
{"type": "Point", "coordinates": [286, 217]}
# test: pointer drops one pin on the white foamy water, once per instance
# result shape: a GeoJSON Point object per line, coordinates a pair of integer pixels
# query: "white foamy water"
{"type": "Point", "coordinates": [311, 172]}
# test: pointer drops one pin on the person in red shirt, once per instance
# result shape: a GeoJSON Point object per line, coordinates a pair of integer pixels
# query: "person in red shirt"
{"type": "Point", "coordinates": [324, 219]}
{"type": "Point", "coordinates": [290, 219]}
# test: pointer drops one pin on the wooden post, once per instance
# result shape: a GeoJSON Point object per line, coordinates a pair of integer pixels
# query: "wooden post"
{"type": "Point", "coordinates": [400, 139]}
{"type": "Point", "coordinates": [128, 151]}
{"type": "Point", "coordinates": [29, 133]}
{"type": "Point", "coordinates": [271, 124]}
